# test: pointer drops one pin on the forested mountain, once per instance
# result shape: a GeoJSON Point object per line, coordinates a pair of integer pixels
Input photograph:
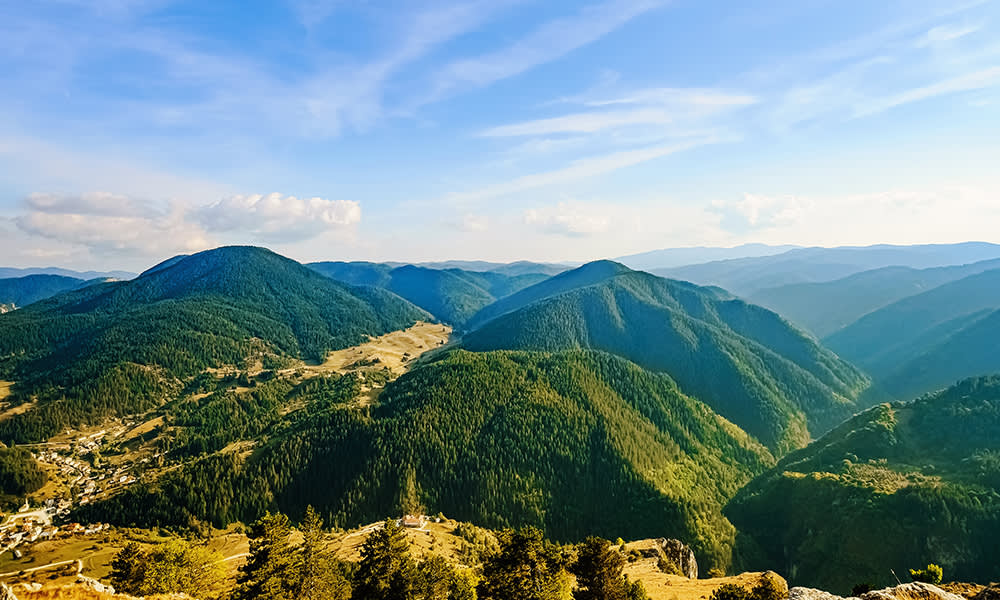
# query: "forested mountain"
{"type": "Point", "coordinates": [588, 274]}
{"type": "Point", "coordinates": [824, 308]}
{"type": "Point", "coordinates": [918, 344]}
{"type": "Point", "coordinates": [452, 295]}
{"type": "Point", "coordinates": [746, 276]}
{"type": "Point", "coordinates": [120, 347]}
{"type": "Point", "coordinates": [897, 486]}
{"type": "Point", "coordinates": [579, 443]}
{"type": "Point", "coordinates": [745, 361]}
{"type": "Point", "coordinates": [20, 291]}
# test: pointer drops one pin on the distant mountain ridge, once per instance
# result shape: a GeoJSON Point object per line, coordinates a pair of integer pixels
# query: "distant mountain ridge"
{"type": "Point", "coordinates": [452, 295]}
{"type": "Point", "coordinates": [679, 257]}
{"type": "Point", "coordinates": [746, 276]}
{"type": "Point", "coordinates": [20, 291]}
{"type": "Point", "coordinates": [929, 340]}
{"type": "Point", "coordinates": [10, 272]}
{"type": "Point", "coordinates": [744, 361]}
{"type": "Point", "coordinates": [824, 308]}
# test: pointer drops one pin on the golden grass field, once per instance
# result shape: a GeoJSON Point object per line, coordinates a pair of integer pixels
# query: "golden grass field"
{"type": "Point", "coordinates": [396, 350]}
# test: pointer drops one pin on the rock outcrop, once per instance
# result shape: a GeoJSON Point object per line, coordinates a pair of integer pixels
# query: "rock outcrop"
{"type": "Point", "coordinates": [911, 591]}
{"type": "Point", "coordinates": [804, 593]}
{"type": "Point", "coordinates": [678, 553]}
{"type": "Point", "coordinates": [906, 591]}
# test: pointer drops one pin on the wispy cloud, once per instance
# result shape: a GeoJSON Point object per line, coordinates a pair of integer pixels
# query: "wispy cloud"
{"type": "Point", "coordinates": [946, 33]}
{"type": "Point", "coordinates": [578, 169]}
{"type": "Point", "coordinates": [977, 80]}
{"type": "Point", "coordinates": [589, 122]}
{"type": "Point", "coordinates": [549, 42]}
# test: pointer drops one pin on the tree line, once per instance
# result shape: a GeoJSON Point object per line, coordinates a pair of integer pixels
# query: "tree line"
{"type": "Point", "coordinates": [524, 565]}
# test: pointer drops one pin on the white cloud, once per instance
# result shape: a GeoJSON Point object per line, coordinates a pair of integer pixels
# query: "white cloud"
{"type": "Point", "coordinates": [277, 217]}
{"type": "Point", "coordinates": [946, 214]}
{"type": "Point", "coordinates": [470, 223]}
{"type": "Point", "coordinates": [572, 219]}
{"type": "Point", "coordinates": [111, 224]}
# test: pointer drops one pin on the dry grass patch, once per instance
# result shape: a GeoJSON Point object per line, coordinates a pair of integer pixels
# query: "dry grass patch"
{"type": "Point", "coordinates": [396, 350]}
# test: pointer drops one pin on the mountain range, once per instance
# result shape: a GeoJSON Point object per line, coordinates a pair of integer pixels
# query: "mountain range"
{"type": "Point", "coordinates": [746, 276]}
{"type": "Point", "coordinates": [746, 362]}
{"type": "Point", "coordinates": [452, 295]}
{"type": "Point", "coordinates": [827, 307]}
{"type": "Point", "coordinates": [589, 400]}
{"type": "Point", "coordinates": [120, 347]}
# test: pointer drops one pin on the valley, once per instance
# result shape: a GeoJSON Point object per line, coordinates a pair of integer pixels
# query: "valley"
{"type": "Point", "coordinates": [598, 400]}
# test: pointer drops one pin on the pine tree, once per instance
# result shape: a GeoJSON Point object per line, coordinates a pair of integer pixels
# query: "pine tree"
{"type": "Point", "coordinates": [310, 560]}
{"type": "Point", "coordinates": [598, 571]}
{"type": "Point", "coordinates": [268, 572]}
{"type": "Point", "coordinates": [526, 568]}
{"type": "Point", "coordinates": [386, 571]}
{"type": "Point", "coordinates": [434, 579]}
{"type": "Point", "coordinates": [127, 568]}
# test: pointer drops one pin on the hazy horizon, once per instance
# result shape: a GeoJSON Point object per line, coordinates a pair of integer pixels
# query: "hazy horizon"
{"type": "Point", "coordinates": [499, 130]}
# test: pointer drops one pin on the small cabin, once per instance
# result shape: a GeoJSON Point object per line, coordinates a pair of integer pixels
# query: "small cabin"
{"type": "Point", "coordinates": [415, 521]}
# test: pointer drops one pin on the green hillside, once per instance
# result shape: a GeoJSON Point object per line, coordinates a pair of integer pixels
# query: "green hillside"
{"type": "Point", "coordinates": [21, 291]}
{"type": "Point", "coordinates": [452, 295]}
{"type": "Point", "coordinates": [824, 308]}
{"type": "Point", "coordinates": [744, 361]}
{"type": "Point", "coordinates": [579, 443]}
{"type": "Point", "coordinates": [890, 341]}
{"type": "Point", "coordinates": [898, 486]}
{"type": "Point", "coordinates": [122, 347]}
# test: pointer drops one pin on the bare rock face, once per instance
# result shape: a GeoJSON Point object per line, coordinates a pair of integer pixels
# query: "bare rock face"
{"type": "Point", "coordinates": [992, 592]}
{"type": "Point", "coordinates": [804, 593]}
{"type": "Point", "coordinates": [911, 591]}
{"type": "Point", "coordinates": [676, 552]}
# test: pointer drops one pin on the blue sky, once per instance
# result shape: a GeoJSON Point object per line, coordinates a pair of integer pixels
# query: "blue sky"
{"type": "Point", "coordinates": [131, 130]}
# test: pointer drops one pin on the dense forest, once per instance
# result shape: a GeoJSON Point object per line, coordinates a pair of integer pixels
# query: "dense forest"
{"type": "Point", "coordinates": [451, 295]}
{"type": "Point", "coordinates": [747, 363]}
{"type": "Point", "coordinates": [562, 441]}
{"type": "Point", "coordinates": [20, 475]}
{"type": "Point", "coordinates": [899, 485]}
{"type": "Point", "coordinates": [123, 347]}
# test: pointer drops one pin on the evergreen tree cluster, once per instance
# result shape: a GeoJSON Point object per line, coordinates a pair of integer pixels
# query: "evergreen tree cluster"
{"type": "Point", "coordinates": [525, 566]}
{"type": "Point", "coordinates": [560, 441]}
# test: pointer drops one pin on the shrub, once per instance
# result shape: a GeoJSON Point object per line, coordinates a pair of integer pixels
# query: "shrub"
{"type": "Point", "coordinates": [730, 591]}
{"type": "Point", "coordinates": [862, 588]}
{"type": "Point", "coordinates": [665, 565]}
{"type": "Point", "coordinates": [716, 572]}
{"type": "Point", "coordinates": [931, 574]}
{"type": "Point", "coordinates": [769, 587]}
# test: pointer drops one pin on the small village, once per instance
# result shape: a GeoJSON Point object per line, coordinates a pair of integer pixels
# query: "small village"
{"type": "Point", "coordinates": [83, 477]}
